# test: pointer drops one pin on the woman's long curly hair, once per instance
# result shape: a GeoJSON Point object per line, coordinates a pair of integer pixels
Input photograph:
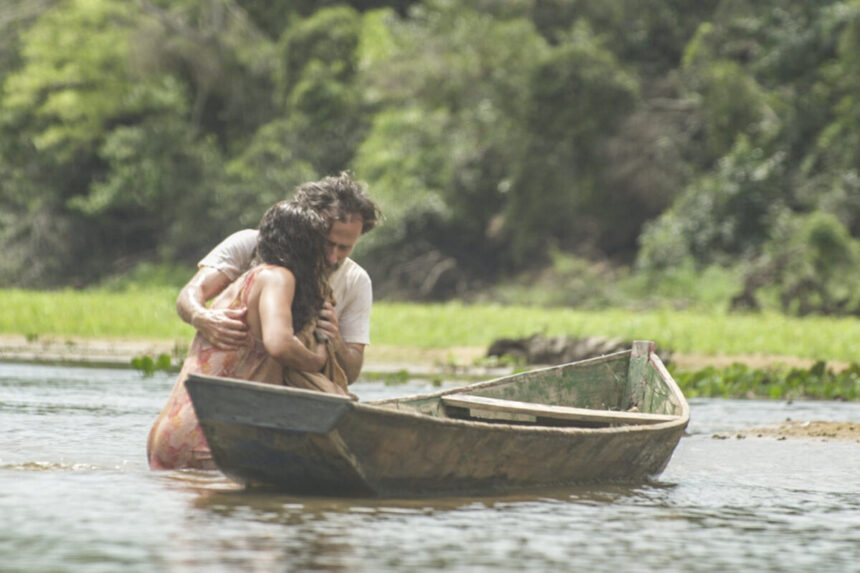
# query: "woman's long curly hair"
{"type": "Point", "coordinates": [293, 236]}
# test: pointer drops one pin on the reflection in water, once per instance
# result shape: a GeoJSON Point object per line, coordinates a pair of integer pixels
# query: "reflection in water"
{"type": "Point", "coordinates": [721, 505]}
{"type": "Point", "coordinates": [347, 534]}
{"type": "Point", "coordinates": [278, 532]}
{"type": "Point", "coordinates": [76, 494]}
{"type": "Point", "coordinates": [202, 481]}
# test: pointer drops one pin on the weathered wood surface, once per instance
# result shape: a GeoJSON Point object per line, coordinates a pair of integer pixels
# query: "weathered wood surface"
{"type": "Point", "coordinates": [409, 446]}
{"type": "Point", "coordinates": [558, 412]}
{"type": "Point", "coordinates": [598, 383]}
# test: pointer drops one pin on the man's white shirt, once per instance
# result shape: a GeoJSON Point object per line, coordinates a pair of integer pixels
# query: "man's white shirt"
{"type": "Point", "coordinates": [353, 292]}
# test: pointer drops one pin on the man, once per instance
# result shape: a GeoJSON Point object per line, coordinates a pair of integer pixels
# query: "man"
{"type": "Point", "coordinates": [350, 213]}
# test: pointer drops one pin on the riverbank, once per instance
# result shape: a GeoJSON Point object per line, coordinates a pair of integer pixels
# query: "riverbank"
{"type": "Point", "coordinates": [119, 353]}
{"type": "Point", "coordinates": [380, 360]}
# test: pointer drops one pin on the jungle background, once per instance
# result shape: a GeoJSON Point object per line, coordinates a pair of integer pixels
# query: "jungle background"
{"type": "Point", "coordinates": [582, 153]}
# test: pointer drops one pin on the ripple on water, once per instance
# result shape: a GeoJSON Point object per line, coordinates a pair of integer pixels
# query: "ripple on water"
{"type": "Point", "coordinates": [51, 467]}
{"type": "Point", "coordinates": [76, 494]}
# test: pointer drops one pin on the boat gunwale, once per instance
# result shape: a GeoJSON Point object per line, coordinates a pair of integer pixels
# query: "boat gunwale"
{"type": "Point", "coordinates": [682, 419]}
{"type": "Point", "coordinates": [383, 407]}
{"type": "Point", "coordinates": [670, 382]}
{"type": "Point", "coordinates": [271, 388]}
{"type": "Point", "coordinates": [504, 379]}
{"type": "Point", "coordinates": [370, 408]}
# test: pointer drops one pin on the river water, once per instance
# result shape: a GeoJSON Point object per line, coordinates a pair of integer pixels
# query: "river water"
{"type": "Point", "coordinates": [76, 495]}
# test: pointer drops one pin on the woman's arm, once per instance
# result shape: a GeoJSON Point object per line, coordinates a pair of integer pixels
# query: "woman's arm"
{"type": "Point", "coordinates": [277, 290]}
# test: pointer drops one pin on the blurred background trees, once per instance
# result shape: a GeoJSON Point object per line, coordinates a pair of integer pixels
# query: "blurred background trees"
{"type": "Point", "coordinates": [501, 138]}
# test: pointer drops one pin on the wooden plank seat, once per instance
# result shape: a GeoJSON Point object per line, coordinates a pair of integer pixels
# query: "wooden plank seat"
{"type": "Point", "coordinates": [483, 407]}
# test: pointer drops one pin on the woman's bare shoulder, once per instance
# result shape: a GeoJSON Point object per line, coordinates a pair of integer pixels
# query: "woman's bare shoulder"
{"type": "Point", "coordinates": [275, 275]}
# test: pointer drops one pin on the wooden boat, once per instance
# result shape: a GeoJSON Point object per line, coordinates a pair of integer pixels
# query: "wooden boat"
{"type": "Point", "coordinates": [613, 418]}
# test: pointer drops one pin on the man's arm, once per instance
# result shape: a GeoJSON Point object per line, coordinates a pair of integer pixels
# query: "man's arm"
{"type": "Point", "coordinates": [225, 328]}
{"type": "Point", "coordinates": [350, 355]}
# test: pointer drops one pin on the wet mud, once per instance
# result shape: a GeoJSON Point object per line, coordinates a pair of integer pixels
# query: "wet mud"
{"type": "Point", "coordinates": [801, 430]}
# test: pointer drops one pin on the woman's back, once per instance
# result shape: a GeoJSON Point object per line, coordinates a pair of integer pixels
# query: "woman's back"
{"type": "Point", "coordinates": [175, 440]}
{"type": "Point", "coordinates": [283, 298]}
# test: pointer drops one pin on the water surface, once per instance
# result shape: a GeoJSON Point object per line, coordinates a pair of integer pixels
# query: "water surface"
{"type": "Point", "coordinates": [76, 495]}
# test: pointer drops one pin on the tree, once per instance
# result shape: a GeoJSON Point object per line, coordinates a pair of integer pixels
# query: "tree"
{"type": "Point", "coordinates": [318, 87]}
{"type": "Point", "coordinates": [721, 216]}
{"type": "Point", "coordinates": [809, 263]}
{"type": "Point", "coordinates": [72, 87]}
{"type": "Point", "coordinates": [451, 85]}
{"type": "Point", "coordinates": [109, 141]}
{"type": "Point", "coordinates": [830, 168]}
{"type": "Point", "coordinates": [579, 96]}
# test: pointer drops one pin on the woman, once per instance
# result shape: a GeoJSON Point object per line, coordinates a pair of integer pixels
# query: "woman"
{"type": "Point", "coordinates": [283, 292]}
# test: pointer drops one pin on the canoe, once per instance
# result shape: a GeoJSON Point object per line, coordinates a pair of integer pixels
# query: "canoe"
{"type": "Point", "coordinates": [614, 418]}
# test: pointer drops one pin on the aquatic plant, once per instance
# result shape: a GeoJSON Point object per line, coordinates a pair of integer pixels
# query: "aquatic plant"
{"type": "Point", "coordinates": [741, 381]}
{"type": "Point", "coordinates": [148, 366]}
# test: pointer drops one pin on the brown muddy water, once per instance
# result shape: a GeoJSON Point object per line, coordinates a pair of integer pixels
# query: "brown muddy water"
{"type": "Point", "coordinates": [76, 495]}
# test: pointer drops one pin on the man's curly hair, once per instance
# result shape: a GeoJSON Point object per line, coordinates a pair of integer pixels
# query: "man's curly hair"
{"type": "Point", "coordinates": [339, 199]}
{"type": "Point", "coordinates": [292, 235]}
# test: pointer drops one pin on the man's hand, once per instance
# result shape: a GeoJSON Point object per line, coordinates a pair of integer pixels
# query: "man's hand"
{"type": "Point", "coordinates": [328, 324]}
{"type": "Point", "coordinates": [349, 355]}
{"type": "Point", "coordinates": [225, 328]}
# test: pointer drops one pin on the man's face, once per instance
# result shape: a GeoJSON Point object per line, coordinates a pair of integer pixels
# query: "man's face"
{"type": "Point", "coordinates": [340, 241]}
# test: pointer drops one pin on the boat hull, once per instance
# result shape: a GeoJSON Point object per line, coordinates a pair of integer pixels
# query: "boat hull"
{"type": "Point", "coordinates": [311, 443]}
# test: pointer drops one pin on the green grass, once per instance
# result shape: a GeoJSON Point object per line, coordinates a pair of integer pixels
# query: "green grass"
{"type": "Point", "coordinates": [149, 314]}
{"type": "Point", "coordinates": [144, 314]}
{"type": "Point", "coordinates": [710, 333]}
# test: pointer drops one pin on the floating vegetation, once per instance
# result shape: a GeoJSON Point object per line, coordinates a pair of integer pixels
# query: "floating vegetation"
{"type": "Point", "coordinates": [779, 382]}
{"type": "Point", "coordinates": [396, 378]}
{"type": "Point", "coordinates": [148, 366]}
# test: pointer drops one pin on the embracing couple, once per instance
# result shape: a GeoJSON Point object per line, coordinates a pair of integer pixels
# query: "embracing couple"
{"type": "Point", "coordinates": [288, 307]}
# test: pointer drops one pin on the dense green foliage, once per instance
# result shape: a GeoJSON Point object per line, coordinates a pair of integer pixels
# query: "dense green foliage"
{"type": "Point", "coordinates": [656, 134]}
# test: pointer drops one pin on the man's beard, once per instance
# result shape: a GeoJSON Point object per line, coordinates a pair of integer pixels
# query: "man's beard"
{"type": "Point", "coordinates": [330, 269]}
